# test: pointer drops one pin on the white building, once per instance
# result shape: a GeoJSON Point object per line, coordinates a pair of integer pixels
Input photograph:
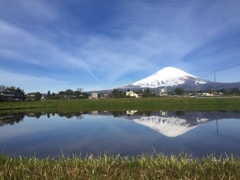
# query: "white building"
{"type": "Point", "coordinates": [94, 96]}
{"type": "Point", "coordinates": [131, 94]}
{"type": "Point", "coordinates": [163, 91]}
{"type": "Point", "coordinates": [207, 94]}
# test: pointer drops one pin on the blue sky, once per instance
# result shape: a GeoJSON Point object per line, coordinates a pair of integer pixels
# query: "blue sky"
{"type": "Point", "coordinates": [96, 44]}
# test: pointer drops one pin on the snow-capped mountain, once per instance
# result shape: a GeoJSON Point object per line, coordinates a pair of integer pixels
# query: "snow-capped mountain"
{"type": "Point", "coordinates": [169, 76]}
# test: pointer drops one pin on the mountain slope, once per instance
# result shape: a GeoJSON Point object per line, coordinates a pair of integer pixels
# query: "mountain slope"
{"type": "Point", "coordinates": [169, 76]}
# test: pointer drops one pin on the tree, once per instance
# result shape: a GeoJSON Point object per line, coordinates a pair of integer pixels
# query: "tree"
{"type": "Point", "coordinates": [54, 96]}
{"type": "Point", "coordinates": [147, 93]}
{"type": "Point", "coordinates": [16, 90]}
{"type": "Point", "coordinates": [61, 94]}
{"type": "Point", "coordinates": [37, 96]}
{"type": "Point", "coordinates": [85, 95]}
{"type": "Point", "coordinates": [19, 91]}
{"type": "Point", "coordinates": [1, 98]}
{"type": "Point", "coordinates": [234, 90]}
{"type": "Point", "coordinates": [49, 94]}
{"type": "Point", "coordinates": [69, 92]}
{"type": "Point", "coordinates": [178, 91]}
{"type": "Point", "coordinates": [2, 87]}
{"type": "Point", "coordinates": [117, 94]}
{"type": "Point", "coordinates": [79, 89]}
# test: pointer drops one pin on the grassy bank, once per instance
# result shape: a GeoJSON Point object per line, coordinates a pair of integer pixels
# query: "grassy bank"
{"type": "Point", "coordinates": [125, 104]}
{"type": "Point", "coordinates": [110, 167]}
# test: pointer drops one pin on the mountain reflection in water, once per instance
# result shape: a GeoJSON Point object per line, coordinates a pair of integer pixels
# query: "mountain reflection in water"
{"type": "Point", "coordinates": [120, 132]}
{"type": "Point", "coordinates": [170, 124]}
{"type": "Point", "coordinates": [174, 123]}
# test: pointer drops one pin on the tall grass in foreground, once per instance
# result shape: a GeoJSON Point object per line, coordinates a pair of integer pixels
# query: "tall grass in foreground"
{"type": "Point", "coordinates": [115, 167]}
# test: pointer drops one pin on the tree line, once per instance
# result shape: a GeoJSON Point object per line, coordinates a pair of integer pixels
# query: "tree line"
{"type": "Point", "coordinates": [116, 93]}
{"type": "Point", "coordinates": [67, 94]}
{"type": "Point", "coordinates": [36, 96]}
{"type": "Point", "coordinates": [14, 89]}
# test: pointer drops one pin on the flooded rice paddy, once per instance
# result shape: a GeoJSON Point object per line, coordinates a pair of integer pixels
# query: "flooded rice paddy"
{"type": "Point", "coordinates": [125, 133]}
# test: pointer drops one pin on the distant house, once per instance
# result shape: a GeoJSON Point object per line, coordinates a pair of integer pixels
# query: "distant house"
{"type": "Point", "coordinates": [131, 94]}
{"type": "Point", "coordinates": [94, 95]}
{"type": "Point", "coordinates": [207, 94]}
{"type": "Point", "coordinates": [32, 95]}
{"type": "Point", "coordinates": [163, 92]}
{"type": "Point", "coordinates": [8, 95]}
{"type": "Point", "coordinates": [104, 95]}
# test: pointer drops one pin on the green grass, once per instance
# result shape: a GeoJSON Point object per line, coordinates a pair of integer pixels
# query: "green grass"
{"type": "Point", "coordinates": [114, 167]}
{"type": "Point", "coordinates": [125, 104]}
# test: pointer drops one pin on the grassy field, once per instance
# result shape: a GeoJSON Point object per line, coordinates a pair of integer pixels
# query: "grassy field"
{"type": "Point", "coordinates": [125, 104]}
{"type": "Point", "coordinates": [115, 167]}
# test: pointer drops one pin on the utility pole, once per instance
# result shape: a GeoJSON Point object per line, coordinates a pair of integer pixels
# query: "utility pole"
{"type": "Point", "coordinates": [215, 83]}
{"type": "Point", "coordinates": [196, 87]}
{"type": "Point", "coordinates": [217, 122]}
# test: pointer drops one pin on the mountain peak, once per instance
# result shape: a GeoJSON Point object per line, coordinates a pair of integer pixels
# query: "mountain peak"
{"type": "Point", "coordinates": [172, 72]}
{"type": "Point", "coordinates": [168, 76]}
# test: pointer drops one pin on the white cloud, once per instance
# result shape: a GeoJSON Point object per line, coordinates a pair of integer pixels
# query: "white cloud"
{"type": "Point", "coordinates": [38, 10]}
{"type": "Point", "coordinates": [140, 39]}
{"type": "Point", "coordinates": [26, 47]}
{"type": "Point", "coordinates": [31, 83]}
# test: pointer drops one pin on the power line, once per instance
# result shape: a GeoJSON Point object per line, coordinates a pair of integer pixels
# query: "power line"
{"type": "Point", "coordinates": [229, 67]}
{"type": "Point", "coordinates": [222, 69]}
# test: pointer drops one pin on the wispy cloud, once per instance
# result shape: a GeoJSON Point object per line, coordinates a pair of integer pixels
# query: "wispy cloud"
{"type": "Point", "coordinates": [23, 46]}
{"type": "Point", "coordinates": [32, 83]}
{"type": "Point", "coordinates": [28, 10]}
{"type": "Point", "coordinates": [140, 38]}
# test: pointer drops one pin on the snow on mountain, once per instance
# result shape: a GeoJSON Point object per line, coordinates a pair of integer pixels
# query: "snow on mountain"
{"type": "Point", "coordinates": [169, 126]}
{"type": "Point", "coordinates": [168, 76]}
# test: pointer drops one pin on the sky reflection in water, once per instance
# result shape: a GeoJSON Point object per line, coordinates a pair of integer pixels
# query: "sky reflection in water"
{"type": "Point", "coordinates": [125, 133]}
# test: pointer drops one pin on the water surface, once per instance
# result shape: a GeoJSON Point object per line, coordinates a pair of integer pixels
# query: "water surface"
{"type": "Point", "coordinates": [130, 133]}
